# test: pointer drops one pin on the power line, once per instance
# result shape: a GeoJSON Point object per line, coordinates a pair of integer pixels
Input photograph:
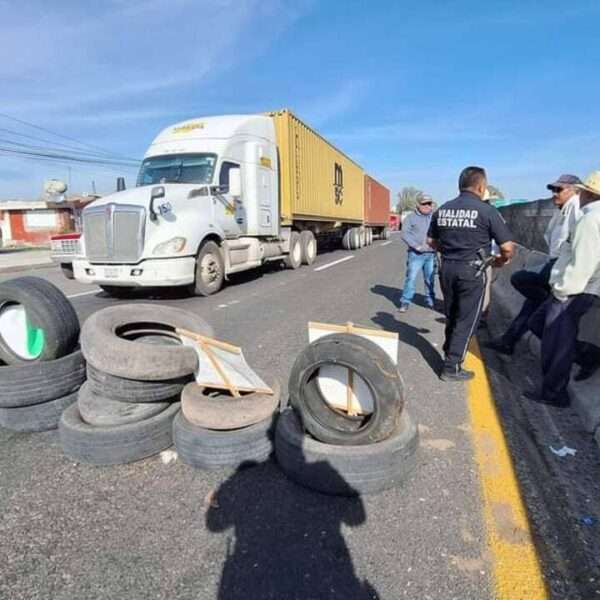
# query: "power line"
{"type": "Point", "coordinates": [55, 142]}
{"type": "Point", "coordinates": [79, 153]}
{"type": "Point", "coordinates": [66, 157]}
{"type": "Point", "coordinates": [66, 137]}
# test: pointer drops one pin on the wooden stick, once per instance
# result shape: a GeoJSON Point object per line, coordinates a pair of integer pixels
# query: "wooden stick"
{"type": "Point", "coordinates": [209, 341]}
{"type": "Point", "coordinates": [350, 387]}
{"type": "Point", "coordinates": [217, 365]}
{"type": "Point", "coordinates": [357, 330]}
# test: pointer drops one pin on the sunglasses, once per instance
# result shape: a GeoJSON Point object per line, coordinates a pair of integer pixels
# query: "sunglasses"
{"type": "Point", "coordinates": [556, 190]}
{"type": "Point", "coordinates": [426, 204]}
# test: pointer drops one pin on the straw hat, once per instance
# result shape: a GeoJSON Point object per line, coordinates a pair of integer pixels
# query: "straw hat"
{"type": "Point", "coordinates": [591, 183]}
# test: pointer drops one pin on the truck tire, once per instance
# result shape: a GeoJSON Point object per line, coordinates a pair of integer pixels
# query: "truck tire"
{"type": "Point", "coordinates": [132, 390]}
{"type": "Point", "coordinates": [369, 362]}
{"type": "Point", "coordinates": [294, 259]}
{"type": "Point", "coordinates": [40, 417]}
{"type": "Point", "coordinates": [208, 449]}
{"type": "Point", "coordinates": [119, 291]}
{"type": "Point", "coordinates": [67, 270]}
{"type": "Point", "coordinates": [115, 445]}
{"type": "Point", "coordinates": [31, 384]}
{"type": "Point", "coordinates": [345, 470]}
{"type": "Point", "coordinates": [347, 239]}
{"type": "Point", "coordinates": [210, 270]}
{"type": "Point", "coordinates": [105, 343]}
{"type": "Point", "coordinates": [363, 237]}
{"type": "Point", "coordinates": [369, 237]}
{"type": "Point", "coordinates": [220, 411]}
{"type": "Point", "coordinates": [308, 244]}
{"type": "Point", "coordinates": [99, 411]}
{"type": "Point", "coordinates": [355, 238]}
{"type": "Point", "coordinates": [37, 321]}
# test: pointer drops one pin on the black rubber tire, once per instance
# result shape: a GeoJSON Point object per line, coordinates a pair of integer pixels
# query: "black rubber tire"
{"type": "Point", "coordinates": [119, 291]}
{"type": "Point", "coordinates": [308, 245]}
{"type": "Point", "coordinates": [132, 390]}
{"type": "Point", "coordinates": [115, 445]}
{"type": "Point", "coordinates": [31, 384]}
{"type": "Point", "coordinates": [41, 417]}
{"type": "Point", "coordinates": [67, 270]}
{"type": "Point", "coordinates": [100, 411]}
{"type": "Point", "coordinates": [201, 288]}
{"type": "Point", "coordinates": [345, 470]}
{"type": "Point", "coordinates": [208, 449]}
{"type": "Point", "coordinates": [47, 308]}
{"type": "Point", "coordinates": [220, 411]}
{"type": "Point", "coordinates": [371, 363]}
{"type": "Point", "coordinates": [355, 238]}
{"type": "Point", "coordinates": [293, 259]}
{"type": "Point", "coordinates": [104, 346]}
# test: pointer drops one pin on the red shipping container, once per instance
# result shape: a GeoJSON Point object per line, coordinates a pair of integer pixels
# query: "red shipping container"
{"type": "Point", "coordinates": [377, 202]}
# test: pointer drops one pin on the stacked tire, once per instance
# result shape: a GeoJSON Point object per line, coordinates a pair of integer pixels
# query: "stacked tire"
{"type": "Point", "coordinates": [136, 368]}
{"type": "Point", "coordinates": [216, 430]}
{"type": "Point", "coordinates": [41, 366]}
{"type": "Point", "coordinates": [324, 448]}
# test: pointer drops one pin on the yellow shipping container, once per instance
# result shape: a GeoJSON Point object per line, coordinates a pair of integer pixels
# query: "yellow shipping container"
{"type": "Point", "coordinates": [318, 182]}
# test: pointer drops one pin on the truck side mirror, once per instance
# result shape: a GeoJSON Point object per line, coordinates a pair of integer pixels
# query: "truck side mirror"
{"type": "Point", "coordinates": [235, 182]}
{"type": "Point", "coordinates": [156, 193]}
{"type": "Point", "coordinates": [120, 184]}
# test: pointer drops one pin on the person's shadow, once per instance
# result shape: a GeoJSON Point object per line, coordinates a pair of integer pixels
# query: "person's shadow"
{"type": "Point", "coordinates": [394, 294]}
{"type": "Point", "coordinates": [286, 542]}
{"type": "Point", "coordinates": [412, 336]}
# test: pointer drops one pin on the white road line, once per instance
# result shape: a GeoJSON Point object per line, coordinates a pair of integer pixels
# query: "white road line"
{"type": "Point", "coordinates": [385, 243]}
{"type": "Point", "coordinates": [335, 262]}
{"type": "Point", "coordinates": [85, 293]}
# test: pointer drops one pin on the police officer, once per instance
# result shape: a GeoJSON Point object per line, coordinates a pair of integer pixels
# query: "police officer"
{"type": "Point", "coordinates": [462, 231]}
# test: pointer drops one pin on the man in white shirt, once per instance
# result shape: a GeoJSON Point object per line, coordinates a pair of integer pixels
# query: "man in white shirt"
{"type": "Point", "coordinates": [535, 285]}
{"type": "Point", "coordinates": [575, 285]}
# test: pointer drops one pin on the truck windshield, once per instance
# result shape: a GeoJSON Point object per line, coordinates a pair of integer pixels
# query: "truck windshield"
{"type": "Point", "coordinates": [177, 168]}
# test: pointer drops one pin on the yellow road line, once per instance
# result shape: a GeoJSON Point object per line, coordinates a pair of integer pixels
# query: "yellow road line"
{"type": "Point", "coordinates": [517, 573]}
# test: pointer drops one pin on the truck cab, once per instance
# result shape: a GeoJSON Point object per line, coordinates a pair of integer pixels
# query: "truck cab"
{"type": "Point", "coordinates": [206, 195]}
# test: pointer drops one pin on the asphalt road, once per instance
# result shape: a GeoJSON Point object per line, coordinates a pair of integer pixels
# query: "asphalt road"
{"type": "Point", "coordinates": [155, 530]}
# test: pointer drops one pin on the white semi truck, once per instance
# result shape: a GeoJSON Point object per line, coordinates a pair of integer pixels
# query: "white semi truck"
{"type": "Point", "coordinates": [219, 195]}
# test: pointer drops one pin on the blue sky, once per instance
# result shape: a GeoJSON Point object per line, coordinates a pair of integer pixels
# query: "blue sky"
{"type": "Point", "coordinates": [412, 91]}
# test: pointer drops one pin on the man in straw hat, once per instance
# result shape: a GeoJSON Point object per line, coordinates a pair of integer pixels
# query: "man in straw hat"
{"type": "Point", "coordinates": [534, 286]}
{"type": "Point", "coordinates": [575, 283]}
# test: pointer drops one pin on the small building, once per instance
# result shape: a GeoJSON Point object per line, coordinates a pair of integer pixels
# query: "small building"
{"type": "Point", "coordinates": [32, 223]}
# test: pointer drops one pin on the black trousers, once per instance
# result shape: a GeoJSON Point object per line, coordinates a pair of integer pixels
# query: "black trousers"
{"type": "Point", "coordinates": [556, 324]}
{"type": "Point", "coordinates": [535, 287]}
{"type": "Point", "coordinates": [463, 291]}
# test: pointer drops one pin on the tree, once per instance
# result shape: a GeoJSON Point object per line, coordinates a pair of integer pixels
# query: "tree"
{"type": "Point", "coordinates": [495, 193]}
{"type": "Point", "coordinates": [407, 198]}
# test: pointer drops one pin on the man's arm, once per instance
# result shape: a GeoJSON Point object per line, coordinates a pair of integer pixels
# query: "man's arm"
{"type": "Point", "coordinates": [507, 251]}
{"type": "Point", "coordinates": [585, 258]}
{"type": "Point", "coordinates": [435, 244]}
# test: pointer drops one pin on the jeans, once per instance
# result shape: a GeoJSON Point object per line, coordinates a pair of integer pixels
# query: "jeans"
{"type": "Point", "coordinates": [419, 262]}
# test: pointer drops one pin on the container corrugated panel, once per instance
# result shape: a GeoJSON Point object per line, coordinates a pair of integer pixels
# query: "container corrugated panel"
{"type": "Point", "coordinates": [318, 181]}
{"type": "Point", "coordinates": [377, 202]}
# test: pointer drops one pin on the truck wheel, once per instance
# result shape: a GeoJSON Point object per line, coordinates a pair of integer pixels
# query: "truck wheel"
{"type": "Point", "coordinates": [118, 291]}
{"type": "Point", "coordinates": [294, 259]}
{"type": "Point", "coordinates": [355, 238]}
{"type": "Point", "coordinates": [345, 470]}
{"type": "Point", "coordinates": [308, 244]}
{"type": "Point", "coordinates": [37, 321]}
{"type": "Point", "coordinates": [67, 269]}
{"type": "Point", "coordinates": [363, 238]}
{"type": "Point", "coordinates": [347, 240]}
{"type": "Point", "coordinates": [369, 362]}
{"type": "Point", "coordinates": [210, 270]}
{"type": "Point", "coordinates": [209, 449]}
{"type": "Point", "coordinates": [369, 237]}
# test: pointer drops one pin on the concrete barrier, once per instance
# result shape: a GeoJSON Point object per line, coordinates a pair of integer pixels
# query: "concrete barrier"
{"type": "Point", "coordinates": [506, 303]}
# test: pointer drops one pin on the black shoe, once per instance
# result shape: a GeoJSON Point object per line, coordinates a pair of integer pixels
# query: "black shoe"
{"type": "Point", "coordinates": [499, 345]}
{"type": "Point", "coordinates": [456, 374]}
{"type": "Point", "coordinates": [585, 372]}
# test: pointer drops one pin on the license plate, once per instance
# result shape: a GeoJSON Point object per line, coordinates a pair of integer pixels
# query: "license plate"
{"type": "Point", "coordinates": [112, 272]}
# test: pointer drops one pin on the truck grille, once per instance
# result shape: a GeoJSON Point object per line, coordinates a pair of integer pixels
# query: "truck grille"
{"type": "Point", "coordinates": [114, 233]}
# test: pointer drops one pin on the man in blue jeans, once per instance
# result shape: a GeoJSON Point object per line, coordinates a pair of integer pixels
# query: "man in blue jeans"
{"type": "Point", "coordinates": [421, 256]}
